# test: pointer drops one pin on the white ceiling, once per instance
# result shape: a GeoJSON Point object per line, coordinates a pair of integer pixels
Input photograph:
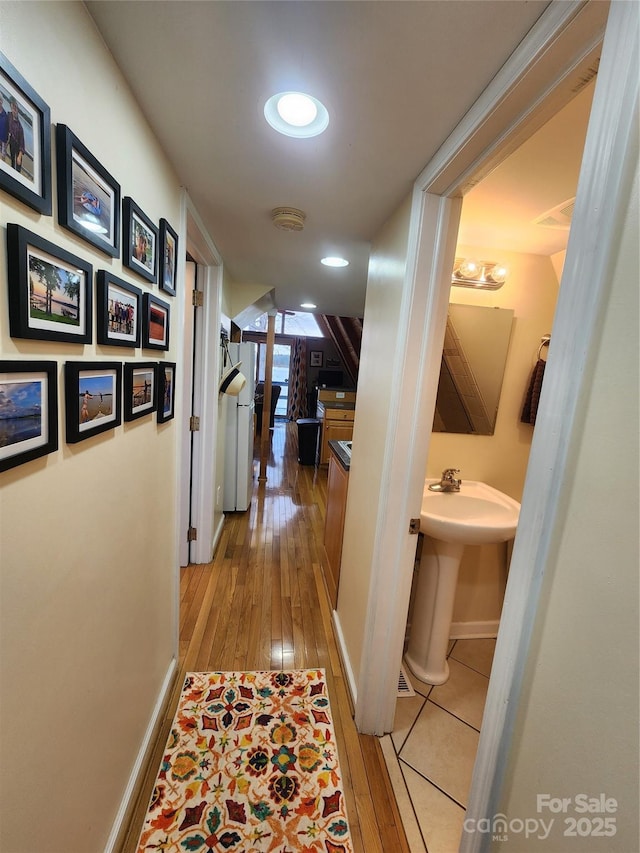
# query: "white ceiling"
{"type": "Point", "coordinates": [396, 78]}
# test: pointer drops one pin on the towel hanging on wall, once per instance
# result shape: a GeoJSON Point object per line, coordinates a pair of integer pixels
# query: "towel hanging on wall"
{"type": "Point", "coordinates": [532, 398]}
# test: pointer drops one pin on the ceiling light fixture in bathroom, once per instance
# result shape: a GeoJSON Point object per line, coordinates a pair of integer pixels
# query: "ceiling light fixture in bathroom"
{"type": "Point", "coordinates": [288, 218]}
{"type": "Point", "coordinates": [335, 262]}
{"type": "Point", "coordinates": [486, 275]}
{"type": "Point", "coordinates": [296, 114]}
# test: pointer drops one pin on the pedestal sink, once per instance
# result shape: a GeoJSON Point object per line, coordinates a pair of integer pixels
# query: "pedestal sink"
{"type": "Point", "coordinates": [476, 515]}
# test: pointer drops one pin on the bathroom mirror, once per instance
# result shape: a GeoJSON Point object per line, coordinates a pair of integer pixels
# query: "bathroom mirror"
{"type": "Point", "coordinates": [473, 361]}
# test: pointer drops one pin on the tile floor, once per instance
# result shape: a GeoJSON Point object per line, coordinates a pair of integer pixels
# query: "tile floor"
{"type": "Point", "coordinates": [431, 751]}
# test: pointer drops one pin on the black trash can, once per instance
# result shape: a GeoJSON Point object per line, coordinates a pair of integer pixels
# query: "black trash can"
{"type": "Point", "coordinates": [308, 440]}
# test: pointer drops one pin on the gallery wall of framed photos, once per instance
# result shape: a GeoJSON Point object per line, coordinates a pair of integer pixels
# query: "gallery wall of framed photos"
{"type": "Point", "coordinates": [95, 295]}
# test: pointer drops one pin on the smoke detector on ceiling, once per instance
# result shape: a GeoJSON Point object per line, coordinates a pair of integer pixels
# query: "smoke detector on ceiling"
{"type": "Point", "coordinates": [288, 218]}
{"type": "Point", "coordinates": [557, 217]}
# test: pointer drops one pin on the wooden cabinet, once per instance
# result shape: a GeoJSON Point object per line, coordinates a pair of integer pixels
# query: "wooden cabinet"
{"type": "Point", "coordinates": [337, 483]}
{"type": "Point", "coordinates": [337, 425]}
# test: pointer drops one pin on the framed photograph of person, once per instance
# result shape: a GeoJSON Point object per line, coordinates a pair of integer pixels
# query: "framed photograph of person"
{"type": "Point", "coordinates": [168, 258]}
{"type": "Point", "coordinates": [50, 290]}
{"type": "Point", "coordinates": [140, 241]}
{"type": "Point", "coordinates": [25, 140]}
{"type": "Point", "coordinates": [93, 398]}
{"type": "Point", "coordinates": [119, 311]}
{"type": "Point", "coordinates": [88, 197]}
{"type": "Point", "coordinates": [140, 389]}
{"type": "Point", "coordinates": [28, 411]}
{"type": "Point", "coordinates": [166, 391]}
{"type": "Point", "coordinates": [155, 323]}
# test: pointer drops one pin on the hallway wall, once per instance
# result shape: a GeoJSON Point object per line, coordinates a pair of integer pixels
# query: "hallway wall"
{"type": "Point", "coordinates": [88, 552]}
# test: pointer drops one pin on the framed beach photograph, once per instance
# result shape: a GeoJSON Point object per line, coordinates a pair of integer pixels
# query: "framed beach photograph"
{"type": "Point", "coordinates": [119, 311]}
{"type": "Point", "coordinates": [93, 398]}
{"type": "Point", "coordinates": [155, 323]}
{"type": "Point", "coordinates": [168, 258]}
{"type": "Point", "coordinates": [25, 140]}
{"type": "Point", "coordinates": [140, 241]}
{"type": "Point", "coordinates": [50, 290]}
{"type": "Point", "coordinates": [140, 389]}
{"type": "Point", "coordinates": [88, 197]}
{"type": "Point", "coordinates": [166, 391]}
{"type": "Point", "coordinates": [28, 411]}
{"type": "Point", "coordinates": [316, 358]}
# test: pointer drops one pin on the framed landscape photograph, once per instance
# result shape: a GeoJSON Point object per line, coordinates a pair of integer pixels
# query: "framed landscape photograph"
{"type": "Point", "coordinates": [28, 411]}
{"type": "Point", "coordinates": [88, 197]}
{"type": "Point", "coordinates": [168, 257]}
{"type": "Point", "coordinates": [155, 325]}
{"type": "Point", "coordinates": [166, 391]}
{"type": "Point", "coordinates": [140, 238]}
{"type": "Point", "coordinates": [93, 398]}
{"type": "Point", "coordinates": [140, 389]}
{"type": "Point", "coordinates": [50, 290]}
{"type": "Point", "coordinates": [119, 310]}
{"type": "Point", "coordinates": [25, 140]}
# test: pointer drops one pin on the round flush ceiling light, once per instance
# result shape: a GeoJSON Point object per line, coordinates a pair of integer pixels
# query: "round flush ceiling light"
{"type": "Point", "coordinates": [296, 114]}
{"type": "Point", "coordinates": [335, 262]}
{"type": "Point", "coordinates": [308, 305]}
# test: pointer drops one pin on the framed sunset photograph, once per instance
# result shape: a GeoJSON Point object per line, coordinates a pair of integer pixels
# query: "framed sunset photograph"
{"type": "Point", "coordinates": [28, 411]}
{"type": "Point", "coordinates": [88, 197]}
{"type": "Point", "coordinates": [155, 326]}
{"type": "Point", "coordinates": [119, 311]}
{"type": "Point", "coordinates": [93, 398]}
{"type": "Point", "coordinates": [25, 149]}
{"type": "Point", "coordinates": [50, 290]}
{"type": "Point", "coordinates": [140, 389]}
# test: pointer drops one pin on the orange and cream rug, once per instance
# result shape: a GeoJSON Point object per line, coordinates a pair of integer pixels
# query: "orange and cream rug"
{"type": "Point", "coordinates": [251, 764]}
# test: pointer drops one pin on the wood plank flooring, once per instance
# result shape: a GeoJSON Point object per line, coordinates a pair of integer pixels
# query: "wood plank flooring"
{"type": "Point", "coordinates": [262, 604]}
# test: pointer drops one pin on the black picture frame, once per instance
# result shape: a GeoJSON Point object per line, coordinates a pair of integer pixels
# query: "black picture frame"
{"type": "Point", "coordinates": [140, 389]}
{"type": "Point", "coordinates": [50, 290]}
{"type": "Point", "coordinates": [155, 323]}
{"type": "Point", "coordinates": [140, 241]}
{"type": "Point", "coordinates": [93, 398]}
{"type": "Point", "coordinates": [166, 391]}
{"type": "Point", "coordinates": [119, 311]}
{"type": "Point", "coordinates": [26, 175]}
{"type": "Point", "coordinates": [28, 411]}
{"type": "Point", "coordinates": [88, 196]}
{"type": "Point", "coordinates": [316, 358]}
{"type": "Point", "coordinates": [168, 258]}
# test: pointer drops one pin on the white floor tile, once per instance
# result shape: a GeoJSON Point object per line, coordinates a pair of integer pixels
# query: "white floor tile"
{"type": "Point", "coordinates": [407, 709]}
{"type": "Point", "coordinates": [440, 819]}
{"type": "Point", "coordinates": [443, 749]}
{"type": "Point", "coordinates": [478, 654]}
{"type": "Point", "coordinates": [464, 694]}
{"type": "Point", "coordinates": [409, 822]}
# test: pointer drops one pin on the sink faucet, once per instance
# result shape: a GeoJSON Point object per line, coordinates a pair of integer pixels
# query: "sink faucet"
{"type": "Point", "coordinates": [448, 481]}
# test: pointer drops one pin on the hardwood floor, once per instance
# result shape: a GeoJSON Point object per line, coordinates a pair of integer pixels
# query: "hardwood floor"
{"type": "Point", "coordinates": [262, 604]}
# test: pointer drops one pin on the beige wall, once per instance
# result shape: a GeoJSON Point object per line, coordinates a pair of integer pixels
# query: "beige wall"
{"type": "Point", "coordinates": [380, 333]}
{"type": "Point", "coordinates": [88, 552]}
{"type": "Point", "coordinates": [577, 725]}
{"type": "Point", "coordinates": [500, 459]}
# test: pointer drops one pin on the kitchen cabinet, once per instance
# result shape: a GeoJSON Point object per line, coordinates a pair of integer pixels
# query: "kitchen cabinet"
{"type": "Point", "coordinates": [336, 410]}
{"type": "Point", "coordinates": [337, 485]}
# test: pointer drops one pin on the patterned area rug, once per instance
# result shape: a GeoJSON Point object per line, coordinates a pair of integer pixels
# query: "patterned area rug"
{"type": "Point", "coordinates": [251, 764]}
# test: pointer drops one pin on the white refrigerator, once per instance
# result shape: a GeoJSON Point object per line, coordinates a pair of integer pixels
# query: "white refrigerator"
{"type": "Point", "coordinates": [238, 463]}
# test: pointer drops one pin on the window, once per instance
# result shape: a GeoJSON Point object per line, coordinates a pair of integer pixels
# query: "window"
{"type": "Point", "coordinates": [300, 324]}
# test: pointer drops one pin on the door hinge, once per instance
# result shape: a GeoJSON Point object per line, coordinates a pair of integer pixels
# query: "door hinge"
{"type": "Point", "coordinates": [194, 423]}
{"type": "Point", "coordinates": [197, 298]}
{"type": "Point", "coordinates": [414, 526]}
{"type": "Point", "coordinates": [192, 534]}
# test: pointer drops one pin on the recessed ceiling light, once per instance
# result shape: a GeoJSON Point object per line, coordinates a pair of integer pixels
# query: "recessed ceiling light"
{"type": "Point", "coordinates": [296, 114]}
{"type": "Point", "coordinates": [335, 262]}
{"type": "Point", "coordinates": [308, 305]}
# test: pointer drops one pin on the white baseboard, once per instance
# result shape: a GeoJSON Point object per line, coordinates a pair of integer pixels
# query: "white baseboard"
{"type": "Point", "coordinates": [217, 533]}
{"type": "Point", "coordinates": [474, 630]}
{"type": "Point", "coordinates": [115, 839]}
{"type": "Point", "coordinates": [344, 657]}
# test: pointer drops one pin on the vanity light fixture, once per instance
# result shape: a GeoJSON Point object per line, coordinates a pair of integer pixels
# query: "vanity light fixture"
{"type": "Point", "coordinates": [334, 262]}
{"type": "Point", "coordinates": [296, 114]}
{"type": "Point", "coordinates": [486, 275]}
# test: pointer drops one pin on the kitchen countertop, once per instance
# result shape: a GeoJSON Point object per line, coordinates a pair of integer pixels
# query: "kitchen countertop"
{"type": "Point", "coordinates": [342, 452]}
